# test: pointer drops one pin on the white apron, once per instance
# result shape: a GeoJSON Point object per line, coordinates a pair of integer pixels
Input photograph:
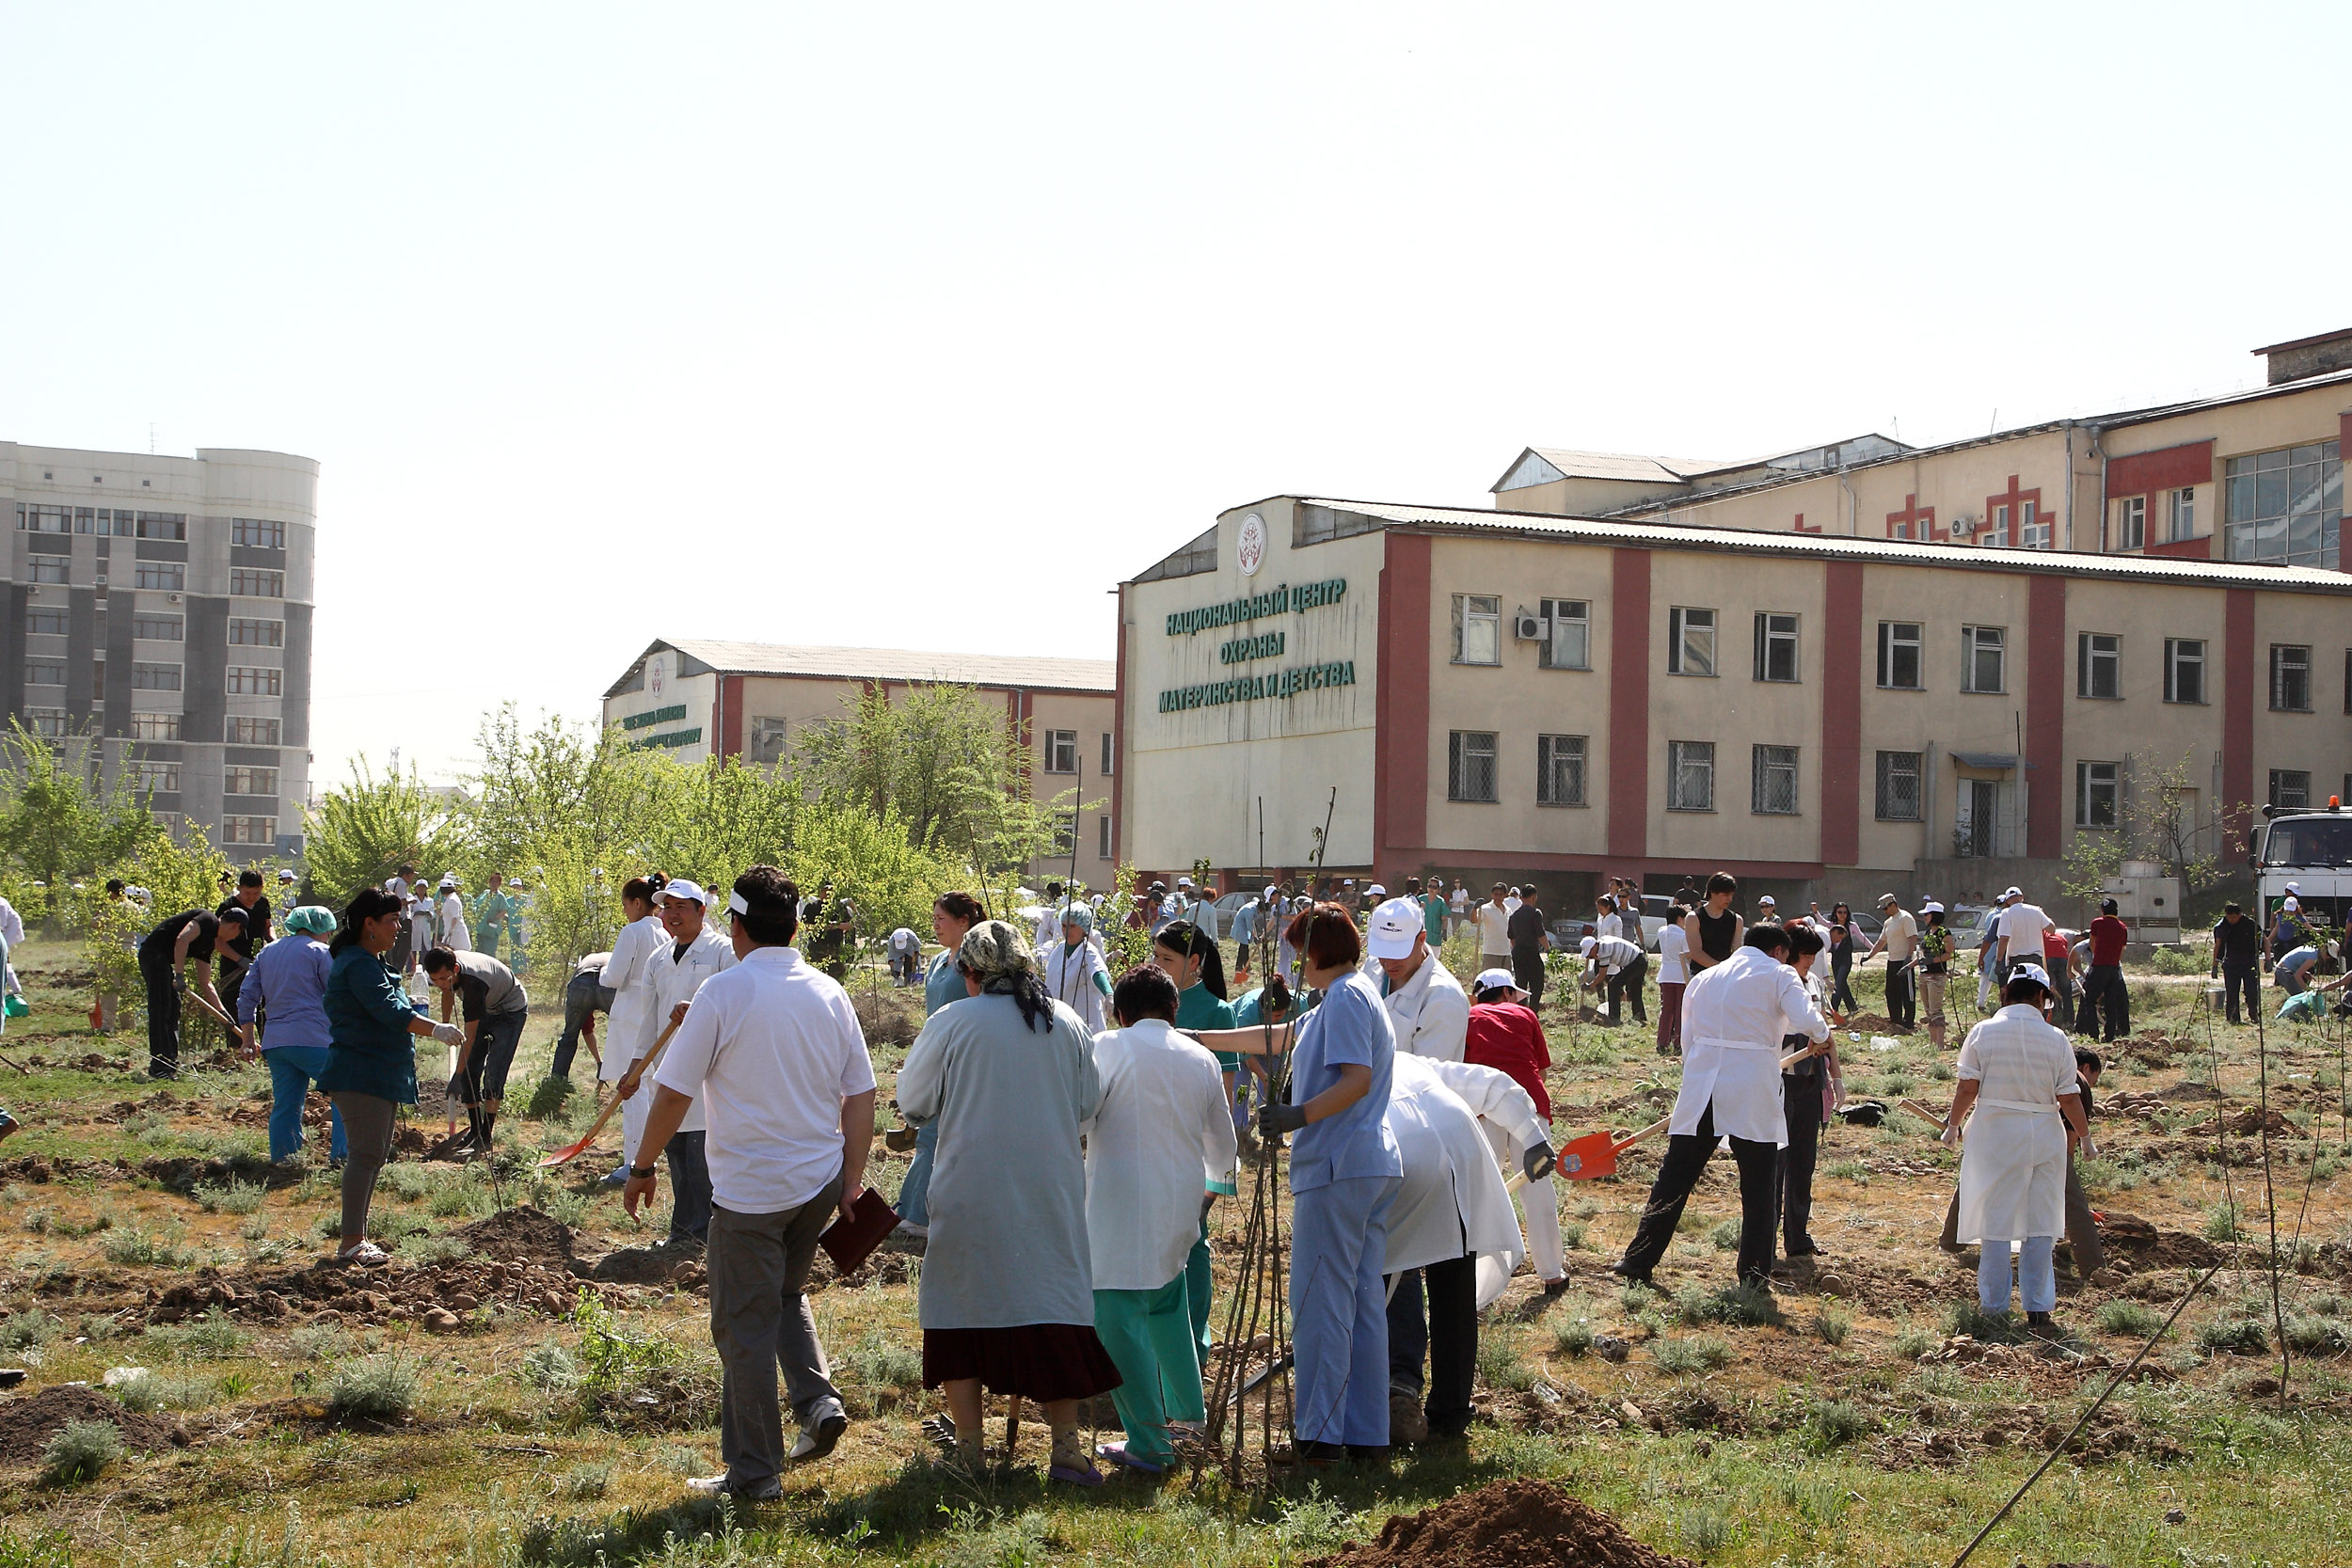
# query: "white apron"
{"type": "Point", "coordinates": [2012, 1172]}
{"type": "Point", "coordinates": [1743, 1079]}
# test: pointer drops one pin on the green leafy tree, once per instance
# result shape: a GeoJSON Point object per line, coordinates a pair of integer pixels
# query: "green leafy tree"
{"type": "Point", "coordinates": [54, 823]}
{"type": "Point", "coordinates": [178, 876]}
{"type": "Point", "coordinates": [2155, 820]}
{"type": "Point", "coordinates": [363, 830]}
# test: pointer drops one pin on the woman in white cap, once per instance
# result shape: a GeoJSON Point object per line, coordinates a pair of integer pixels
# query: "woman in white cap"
{"type": "Point", "coordinates": [452, 932]}
{"type": "Point", "coordinates": [1935, 962]}
{"type": "Point", "coordinates": [2017, 1077]}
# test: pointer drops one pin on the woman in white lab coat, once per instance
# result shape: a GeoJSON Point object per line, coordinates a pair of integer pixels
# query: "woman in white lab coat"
{"type": "Point", "coordinates": [1072, 968]}
{"type": "Point", "coordinates": [1451, 1228]}
{"type": "Point", "coordinates": [630, 976]}
{"type": "Point", "coordinates": [2017, 1076]}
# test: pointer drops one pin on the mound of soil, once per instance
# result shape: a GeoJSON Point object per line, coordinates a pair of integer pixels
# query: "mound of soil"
{"type": "Point", "coordinates": [28, 1422]}
{"type": "Point", "coordinates": [2151, 1248]}
{"type": "Point", "coordinates": [523, 1236]}
{"type": "Point", "coordinates": [889, 1017]}
{"type": "Point", "coordinates": [2247, 1121]}
{"type": "Point", "coordinates": [652, 1265]}
{"type": "Point", "coordinates": [1509, 1524]}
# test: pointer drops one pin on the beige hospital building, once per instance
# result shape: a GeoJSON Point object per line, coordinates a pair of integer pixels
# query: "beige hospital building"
{"type": "Point", "coordinates": [697, 700]}
{"type": "Point", "coordinates": [1858, 668]}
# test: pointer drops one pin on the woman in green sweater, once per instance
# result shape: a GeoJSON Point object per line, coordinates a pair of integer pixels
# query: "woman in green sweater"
{"type": "Point", "coordinates": [370, 1066]}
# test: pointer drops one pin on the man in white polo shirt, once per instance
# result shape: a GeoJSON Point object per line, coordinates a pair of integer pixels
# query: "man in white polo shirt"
{"type": "Point", "coordinates": [2022, 926]}
{"type": "Point", "coordinates": [1427, 1004]}
{"type": "Point", "coordinates": [771, 1052]}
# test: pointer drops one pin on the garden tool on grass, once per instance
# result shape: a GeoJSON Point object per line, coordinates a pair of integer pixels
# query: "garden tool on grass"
{"type": "Point", "coordinates": [565, 1155]}
{"type": "Point", "coordinates": [1593, 1155]}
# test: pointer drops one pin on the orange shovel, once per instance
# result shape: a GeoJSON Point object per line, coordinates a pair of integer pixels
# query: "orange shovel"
{"type": "Point", "coordinates": [565, 1155]}
{"type": "Point", "coordinates": [1595, 1154]}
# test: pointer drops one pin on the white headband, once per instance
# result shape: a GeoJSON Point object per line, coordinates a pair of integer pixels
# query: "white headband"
{"type": "Point", "coordinates": [737, 906]}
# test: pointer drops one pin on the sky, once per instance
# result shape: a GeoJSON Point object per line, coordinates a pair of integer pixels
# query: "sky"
{"type": "Point", "coordinates": [922, 325]}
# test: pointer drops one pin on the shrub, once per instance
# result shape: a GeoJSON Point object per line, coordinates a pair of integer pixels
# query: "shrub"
{"type": "Point", "coordinates": [142, 1393]}
{"type": "Point", "coordinates": [407, 1182]}
{"type": "Point", "coordinates": [585, 1482]}
{"type": "Point", "coordinates": [567, 1208]}
{"type": "Point", "coordinates": [1912, 1343]}
{"type": "Point", "coordinates": [2233, 1334]}
{"type": "Point", "coordinates": [1572, 1235]}
{"type": "Point", "coordinates": [446, 1248]}
{"type": "Point", "coordinates": [1725, 1237]}
{"type": "Point", "coordinates": [1819, 1500]}
{"type": "Point", "coordinates": [548, 1098]}
{"type": "Point", "coordinates": [1970, 1318]}
{"type": "Point", "coordinates": [377, 1388]}
{"type": "Point", "coordinates": [2222, 1223]}
{"type": "Point", "coordinates": [1834, 1423]}
{"type": "Point", "coordinates": [208, 1338]}
{"type": "Point", "coordinates": [2310, 1334]}
{"type": "Point", "coordinates": [137, 1244]}
{"type": "Point", "coordinates": [1574, 1337]}
{"type": "Point", "coordinates": [26, 1329]}
{"type": "Point", "coordinates": [1702, 1352]}
{"type": "Point", "coordinates": [1500, 1365]}
{"type": "Point", "coordinates": [2131, 1319]}
{"type": "Point", "coordinates": [551, 1367]}
{"type": "Point", "coordinates": [237, 1198]}
{"type": "Point", "coordinates": [1833, 1323]}
{"type": "Point", "coordinates": [1742, 1306]}
{"type": "Point", "coordinates": [1705, 1529]}
{"type": "Point", "coordinates": [80, 1450]}
{"type": "Point", "coordinates": [885, 1365]}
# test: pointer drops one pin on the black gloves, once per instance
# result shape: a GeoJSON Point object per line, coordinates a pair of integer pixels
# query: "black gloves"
{"type": "Point", "coordinates": [1541, 1162]}
{"type": "Point", "coordinates": [1275, 1120]}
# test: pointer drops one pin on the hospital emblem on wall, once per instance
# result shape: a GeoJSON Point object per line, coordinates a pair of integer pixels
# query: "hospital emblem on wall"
{"type": "Point", "coordinates": [1250, 545]}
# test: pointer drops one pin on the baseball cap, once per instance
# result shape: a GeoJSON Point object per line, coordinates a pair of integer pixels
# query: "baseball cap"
{"type": "Point", "coordinates": [1886, 898]}
{"type": "Point", "coordinates": [1930, 906]}
{"type": "Point", "coordinates": [449, 882]}
{"type": "Point", "coordinates": [1767, 899]}
{"type": "Point", "coordinates": [284, 875]}
{"type": "Point", "coordinates": [1395, 925]}
{"type": "Point", "coordinates": [2033, 972]}
{"type": "Point", "coordinates": [1375, 890]}
{"type": "Point", "coordinates": [1585, 946]}
{"type": "Point", "coordinates": [1183, 882]}
{"type": "Point", "coordinates": [1489, 978]}
{"type": "Point", "coordinates": [679, 887]}
{"type": "Point", "coordinates": [2294, 887]}
{"type": "Point", "coordinates": [2014, 893]}
{"type": "Point", "coordinates": [2293, 906]}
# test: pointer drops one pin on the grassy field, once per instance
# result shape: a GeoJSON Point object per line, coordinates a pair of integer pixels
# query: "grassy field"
{"type": "Point", "coordinates": [483, 1401]}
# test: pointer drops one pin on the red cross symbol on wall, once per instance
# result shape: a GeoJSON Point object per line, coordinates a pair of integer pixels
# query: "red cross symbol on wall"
{"type": "Point", "coordinates": [1915, 522]}
{"type": "Point", "coordinates": [2005, 515]}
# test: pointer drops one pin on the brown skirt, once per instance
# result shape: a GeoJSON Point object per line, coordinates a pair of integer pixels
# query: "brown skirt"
{"type": "Point", "coordinates": [1037, 1361]}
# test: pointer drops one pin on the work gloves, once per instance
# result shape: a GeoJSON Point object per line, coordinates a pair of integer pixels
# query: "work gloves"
{"type": "Point", "coordinates": [1951, 1133]}
{"type": "Point", "coordinates": [1541, 1162]}
{"type": "Point", "coordinates": [1274, 1120]}
{"type": "Point", "coordinates": [448, 1034]}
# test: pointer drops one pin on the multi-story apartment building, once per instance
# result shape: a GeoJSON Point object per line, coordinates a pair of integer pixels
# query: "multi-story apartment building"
{"type": "Point", "coordinates": [162, 606]}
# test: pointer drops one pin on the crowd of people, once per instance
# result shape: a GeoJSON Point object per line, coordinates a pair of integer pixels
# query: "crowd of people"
{"type": "Point", "coordinates": [1072, 1130]}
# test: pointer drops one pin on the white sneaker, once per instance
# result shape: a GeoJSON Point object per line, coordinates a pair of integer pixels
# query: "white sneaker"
{"type": "Point", "coordinates": [717, 1486]}
{"type": "Point", "coordinates": [367, 1255]}
{"type": "Point", "coordinates": [823, 1431]}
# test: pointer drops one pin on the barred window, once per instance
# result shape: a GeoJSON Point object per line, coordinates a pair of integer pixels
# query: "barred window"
{"type": "Point", "coordinates": [2290, 789]}
{"type": "Point", "coordinates": [1471, 766]}
{"type": "Point", "coordinates": [2290, 678]}
{"type": "Point", "coordinates": [1690, 775]}
{"type": "Point", "coordinates": [257, 634]}
{"type": "Point", "coordinates": [246, 680]}
{"type": "Point", "coordinates": [1560, 770]}
{"type": "Point", "coordinates": [1772, 782]}
{"type": "Point", "coordinates": [1899, 786]}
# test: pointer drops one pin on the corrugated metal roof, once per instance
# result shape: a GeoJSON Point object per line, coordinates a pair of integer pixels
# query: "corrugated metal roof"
{"type": "Point", "coordinates": [1755, 541]}
{"type": "Point", "coordinates": [892, 664]}
{"type": "Point", "coordinates": [1629, 465]}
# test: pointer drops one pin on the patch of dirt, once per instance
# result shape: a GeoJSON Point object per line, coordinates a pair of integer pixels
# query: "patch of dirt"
{"type": "Point", "coordinates": [183, 1173]}
{"type": "Point", "coordinates": [28, 1422]}
{"type": "Point", "coordinates": [2247, 1121]}
{"type": "Point", "coordinates": [1508, 1524]}
{"type": "Point", "coordinates": [889, 1017]}
{"type": "Point", "coordinates": [523, 1236]}
{"type": "Point", "coordinates": [41, 1168]}
{"type": "Point", "coordinates": [653, 1265]}
{"type": "Point", "coordinates": [2191, 1089]}
{"type": "Point", "coordinates": [2149, 1248]}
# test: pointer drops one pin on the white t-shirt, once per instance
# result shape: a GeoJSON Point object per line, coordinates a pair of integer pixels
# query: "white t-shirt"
{"type": "Point", "coordinates": [1902, 935]}
{"type": "Point", "coordinates": [1674, 968]}
{"type": "Point", "coordinates": [2022, 927]}
{"type": "Point", "coordinates": [1494, 928]}
{"type": "Point", "coordinates": [1460, 900]}
{"type": "Point", "coordinates": [1511, 904]}
{"type": "Point", "coordinates": [770, 1049]}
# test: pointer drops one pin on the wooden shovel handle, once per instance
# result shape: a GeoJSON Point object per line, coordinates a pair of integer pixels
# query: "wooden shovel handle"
{"type": "Point", "coordinates": [1939, 1124]}
{"type": "Point", "coordinates": [1631, 1138]}
{"type": "Point", "coordinates": [562, 1155]}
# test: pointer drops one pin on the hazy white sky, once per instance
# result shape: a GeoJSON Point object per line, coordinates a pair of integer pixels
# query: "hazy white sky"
{"type": "Point", "coordinates": [921, 326]}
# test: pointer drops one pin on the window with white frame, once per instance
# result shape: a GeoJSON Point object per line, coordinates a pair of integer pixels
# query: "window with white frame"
{"type": "Point", "coordinates": [1897, 794]}
{"type": "Point", "coordinates": [1103, 838]}
{"type": "Point", "coordinates": [256, 634]}
{"type": "Point", "coordinates": [155, 726]}
{"type": "Point", "coordinates": [248, 829]}
{"type": "Point", "coordinates": [1998, 532]}
{"type": "Point", "coordinates": [2290, 678]}
{"type": "Point", "coordinates": [1690, 641]}
{"type": "Point", "coordinates": [2180, 515]}
{"type": "Point", "coordinates": [1772, 782]}
{"type": "Point", "coordinates": [1471, 766]}
{"type": "Point", "coordinates": [1061, 751]}
{"type": "Point", "coordinates": [1983, 658]}
{"type": "Point", "coordinates": [1775, 647]}
{"type": "Point", "coordinates": [2098, 665]}
{"type": "Point", "coordinates": [170, 576]}
{"type": "Point", "coordinates": [157, 628]}
{"type": "Point", "coordinates": [155, 678]}
{"type": "Point", "coordinates": [156, 778]}
{"type": "Point", "coordinates": [249, 781]}
{"type": "Point", "coordinates": [2032, 533]}
{"type": "Point", "coordinates": [2284, 508]}
{"type": "Point", "coordinates": [1560, 770]}
{"type": "Point", "coordinates": [2131, 523]}
{"type": "Point", "coordinates": [1567, 643]}
{"type": "Point", "coordinates": [1899, 643]}
{"type": "Point", "coordinates": [242, 731]}
{"type": "Point", "coordinates": [2097, 792]}
{"type": "Point", "coordinates": [2183, 669]}
{"type": "Point", "coordinates": [2290, 789]}
{"type": "Point", "coordinates": [1690, 775]}
{"type": "Point", "coordinates": [1477, 628]}
{"type": "Point", "coordinates": [250, 680]}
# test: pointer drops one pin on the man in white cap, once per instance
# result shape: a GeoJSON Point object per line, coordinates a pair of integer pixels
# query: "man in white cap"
{"type": "Point", "coordinates": [1734, 1016]}
{"type": "Point", "coordinates": [1427, 1004]}
{"type": "Point", "coordinates": [1621, 963]}
{"type": "Point", "coordinates": [2022, 928]}
{"type": "Point", "coordinates": [1899, 939]}
{"type": "Point", "coordinates": [693, 954]}
{"type": "Point", "coordinates": [1766, 907]}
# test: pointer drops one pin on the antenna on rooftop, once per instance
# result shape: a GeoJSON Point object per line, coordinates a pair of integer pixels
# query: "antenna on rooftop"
{"type": "Point", "coordinates": [150, 437]}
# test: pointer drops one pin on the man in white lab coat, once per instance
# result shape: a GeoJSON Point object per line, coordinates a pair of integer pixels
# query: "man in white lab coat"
{"type": "Point", "coordinates": [1452, 1229]}
{"type": "Point", "coordinates": [695, 953]}
{"type": "Point", "coordinates": [628, 975]}
{"type": "Point", "coordinates": [1427, 1004]}
{"type": "Point", "coordinates": [1734, 1018]}
{"type": "Point", "coordinates": [1159, 1142]}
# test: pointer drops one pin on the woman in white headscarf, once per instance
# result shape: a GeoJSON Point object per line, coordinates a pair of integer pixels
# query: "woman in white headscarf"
{"type": "Point", "coordinates": [2017, 1075]}
{"type": "Point", "coordinates": [1073, 969]}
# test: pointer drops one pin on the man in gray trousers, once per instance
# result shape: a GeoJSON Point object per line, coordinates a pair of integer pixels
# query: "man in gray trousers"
{"type": "Point", "coordinates": [772, 1050]}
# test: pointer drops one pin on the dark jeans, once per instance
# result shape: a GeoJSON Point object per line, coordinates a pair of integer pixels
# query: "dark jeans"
{"type": "Point", "coordinates": [229, 987]}
{"type": "Point", "coordinates": [1626, 983]}
{"type": "Point", "coordinates": [2062, 997]}
{"type": "Point", "coordinates": [1841, 983]}
{"type": "Point", "coordinates": [1901, 993]}
{"type": "Point", "coordinates": [2233, 980]}
{"type": "Point", "coordinates": [162, 1015]}
{"type": "Point", "coordinates": [1801, 1110]}
{"type": "Point", "coordinates": [690, 1187]}
{"type": "Point", "coordinates": [484, 1076]}
{"type": "Point", "coordinates": [585, 996]}
{"type": "Point", "coordinates": [1686, 1159]}
{"type": "Point", "coordinates": [1446, 1335]}
{"type": "Point", "coordinates": [1527, 968]}
{"type": "Point", "coordinates": [2104, 991]}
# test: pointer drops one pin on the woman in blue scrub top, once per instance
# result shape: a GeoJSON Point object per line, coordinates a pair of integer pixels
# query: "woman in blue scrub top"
{"type": "Point", "coordinates": [1344, 1170]}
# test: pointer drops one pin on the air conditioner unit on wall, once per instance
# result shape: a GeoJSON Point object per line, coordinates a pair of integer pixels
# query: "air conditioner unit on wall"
{"type": "Point", "coordinates": [1526, 628]}
{"type": "Point", "coordinates": [1963, 526]}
